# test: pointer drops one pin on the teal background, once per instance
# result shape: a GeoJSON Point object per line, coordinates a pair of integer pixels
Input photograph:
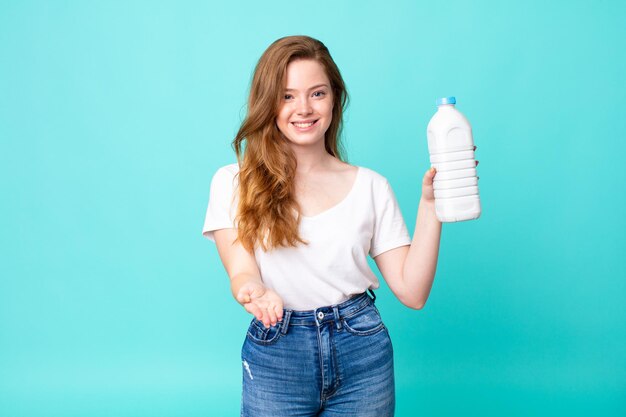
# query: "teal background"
{"type": "Point", "coordinates": [114, 116]}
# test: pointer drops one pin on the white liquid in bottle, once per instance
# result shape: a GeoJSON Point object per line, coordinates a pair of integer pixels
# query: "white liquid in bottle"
{"type": "Point", "coordinates": [451, 149]}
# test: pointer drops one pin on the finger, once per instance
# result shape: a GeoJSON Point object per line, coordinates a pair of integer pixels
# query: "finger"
{"type": "Point", "coordinates": [254, 310]}
{"type": "Point", "coordinates": [429, 175]}
{"type": "Point", "coordinates": [266, 318]}
{"type": "Point", "coordinates": [248, 292]}
{"type": "Point", "coordinates": [272, 315]}
{"type": "Point", "coordinates": [243, 296]}
{"type": "Point", "coordinates": [279, 310]}
{"type": "Point", "coordinates": [279, 313]}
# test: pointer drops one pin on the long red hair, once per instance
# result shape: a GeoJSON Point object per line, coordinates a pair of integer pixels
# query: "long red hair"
{"type": "Point", "coordinates": [267, 165]}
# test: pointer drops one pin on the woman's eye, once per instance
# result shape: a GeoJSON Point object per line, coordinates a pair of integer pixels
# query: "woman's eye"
{"type": "Point", "coordinates": [288, 96]}
{"type": "Point", "coordinates": [319, 93]}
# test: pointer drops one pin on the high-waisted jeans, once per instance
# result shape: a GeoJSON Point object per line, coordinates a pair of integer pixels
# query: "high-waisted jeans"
{"type": "Point", "coordinates": [332, 361]}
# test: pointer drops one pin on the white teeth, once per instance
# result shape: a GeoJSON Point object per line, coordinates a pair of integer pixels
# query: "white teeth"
{"type": "Point", "coordinates": [303, 125]}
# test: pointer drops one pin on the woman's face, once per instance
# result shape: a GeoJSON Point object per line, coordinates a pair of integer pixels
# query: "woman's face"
{"type": "Point", "coordinates": [307, 104]}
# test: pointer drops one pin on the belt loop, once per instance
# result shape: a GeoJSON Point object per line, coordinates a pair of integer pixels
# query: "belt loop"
{"type": "Point", "coordinates": [373, 295]}
{"type": "Point", "coordinates": [337, 318]}
{"type": "Point", "coordinates": [285, 325]}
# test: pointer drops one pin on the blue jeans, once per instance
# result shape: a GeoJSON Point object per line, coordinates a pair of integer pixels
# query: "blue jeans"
{"type": "Point", "coordinates": [332, 361]}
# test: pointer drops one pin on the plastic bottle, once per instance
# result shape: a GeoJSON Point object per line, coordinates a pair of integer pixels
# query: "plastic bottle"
{"type": "Point", "coordinates": [451, 149]}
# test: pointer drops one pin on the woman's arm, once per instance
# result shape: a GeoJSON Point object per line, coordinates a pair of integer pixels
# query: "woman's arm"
{"type": "Point", "coordinates": [410, 270]}
{"type": "Point", "coordinates": [245, 279]}
{"type": "Point", "coordinates": [420, 264]}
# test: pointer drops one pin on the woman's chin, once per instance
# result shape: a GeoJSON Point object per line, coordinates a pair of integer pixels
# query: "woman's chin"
{"type": "Point", "coordinates": [305, 141]}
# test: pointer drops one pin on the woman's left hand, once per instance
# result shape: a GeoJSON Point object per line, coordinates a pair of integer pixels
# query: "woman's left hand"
{"type": "Point", "coordinates": [428, 193]}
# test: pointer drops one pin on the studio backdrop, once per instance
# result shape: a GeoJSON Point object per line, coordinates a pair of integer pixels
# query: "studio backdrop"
{"type": "Point", "coordinates": [115, 115]}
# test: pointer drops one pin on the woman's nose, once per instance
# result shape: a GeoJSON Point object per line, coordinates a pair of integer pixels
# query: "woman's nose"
{"type": "Point", "coordinates": [304, 107]}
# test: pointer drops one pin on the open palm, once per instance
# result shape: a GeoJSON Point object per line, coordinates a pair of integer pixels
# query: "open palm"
{"type": "Point", "coordinates": [264, 303]}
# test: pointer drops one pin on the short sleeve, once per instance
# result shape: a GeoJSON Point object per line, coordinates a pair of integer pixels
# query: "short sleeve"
{"type": "Point", "coordinates": [222, 206]}
{"type": "Point", "coordinates": [390, 230]}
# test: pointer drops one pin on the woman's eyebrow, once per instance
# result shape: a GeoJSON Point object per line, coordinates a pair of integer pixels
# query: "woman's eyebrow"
{"type": "Point", "coordinates": [312, 88]}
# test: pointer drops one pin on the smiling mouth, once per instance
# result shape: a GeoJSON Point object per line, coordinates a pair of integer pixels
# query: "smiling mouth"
{"type": "Point", "coordinates": [304, 125]}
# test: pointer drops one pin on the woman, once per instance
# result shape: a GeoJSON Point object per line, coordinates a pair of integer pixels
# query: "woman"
{"type": "Point", "coordinates": [293, 225]}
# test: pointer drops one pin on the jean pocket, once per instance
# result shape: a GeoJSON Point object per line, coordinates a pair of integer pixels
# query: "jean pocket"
{"type": "Point", "coordinates": [261, 335]}
{"type": "Point", "coordinates": [365, 322]}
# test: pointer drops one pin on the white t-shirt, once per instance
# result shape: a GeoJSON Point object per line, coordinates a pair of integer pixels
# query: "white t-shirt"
{"type": "Point", "coordinates": [333, 266]}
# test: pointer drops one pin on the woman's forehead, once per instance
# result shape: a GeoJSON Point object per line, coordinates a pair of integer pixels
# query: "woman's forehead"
{"type": "Point", "coordinates": [305, 74]}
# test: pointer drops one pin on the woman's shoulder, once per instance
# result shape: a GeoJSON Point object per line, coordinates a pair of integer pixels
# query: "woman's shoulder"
{"type": "Point", "coordinates": [225, 176]}
{"type": "Point", "coordinates": [228, 169]}
{"type": "Point", "coordinates": [372, 175]}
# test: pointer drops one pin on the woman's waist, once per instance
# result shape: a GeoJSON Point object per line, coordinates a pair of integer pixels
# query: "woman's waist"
{"type": "Point", "coordinates": [320, 315]}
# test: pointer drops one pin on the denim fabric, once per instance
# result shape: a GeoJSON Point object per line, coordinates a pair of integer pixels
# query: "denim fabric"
{"type": "Point", "coordinates": [331, 361]}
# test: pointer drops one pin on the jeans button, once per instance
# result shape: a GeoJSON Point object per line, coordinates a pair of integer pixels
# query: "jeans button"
{"type": "Point", "coordinates": [320, 315]}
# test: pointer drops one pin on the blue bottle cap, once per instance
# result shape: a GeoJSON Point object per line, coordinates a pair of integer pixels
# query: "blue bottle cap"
{"type": "Point", "coordinates": [446, 100]}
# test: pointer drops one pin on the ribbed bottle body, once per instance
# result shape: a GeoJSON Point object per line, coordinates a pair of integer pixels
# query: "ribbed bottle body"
{"type": "Point", "coordinates": [451, 148]}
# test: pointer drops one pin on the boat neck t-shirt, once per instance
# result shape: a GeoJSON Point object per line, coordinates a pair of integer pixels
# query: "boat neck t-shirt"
{"type": "Point", "coordinates": [333, 266]}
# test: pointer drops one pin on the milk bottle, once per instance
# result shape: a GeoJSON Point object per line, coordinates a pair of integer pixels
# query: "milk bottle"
{"type": "Point", "coordinates": [451, 149]}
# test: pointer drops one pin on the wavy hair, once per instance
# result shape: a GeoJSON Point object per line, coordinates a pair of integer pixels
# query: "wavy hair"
{"type": "Point", "coordinates": [267, 209]}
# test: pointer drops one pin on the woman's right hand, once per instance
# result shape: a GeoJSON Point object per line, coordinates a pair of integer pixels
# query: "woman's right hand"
{"type": "Point", "coordinates": [265, 304]}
